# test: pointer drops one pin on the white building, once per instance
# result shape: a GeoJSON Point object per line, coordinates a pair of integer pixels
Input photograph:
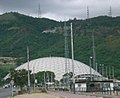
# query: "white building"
{"type": "Point", "coordinates": [57, 65]}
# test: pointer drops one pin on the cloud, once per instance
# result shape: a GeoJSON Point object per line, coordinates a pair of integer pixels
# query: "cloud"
{"type": "Point", "coordinates": [61, 9]}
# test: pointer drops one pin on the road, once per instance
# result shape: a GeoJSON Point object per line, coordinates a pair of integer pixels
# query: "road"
{"type": "Point", "coordinates": [5, 93]}
{"type": "Point", "coordinates": [70, 95]}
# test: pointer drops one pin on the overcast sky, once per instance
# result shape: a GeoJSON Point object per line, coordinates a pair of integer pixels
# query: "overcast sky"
{"type": "Point", "coordinates": [61, 9]}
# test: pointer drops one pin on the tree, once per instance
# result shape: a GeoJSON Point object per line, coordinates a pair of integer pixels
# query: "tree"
{"type": "Point", "coordinates": [45, 76]}
{"type": "Point", "coordinates": [67, 76]}
{"type": "Point", "coordinates": [19, 77]}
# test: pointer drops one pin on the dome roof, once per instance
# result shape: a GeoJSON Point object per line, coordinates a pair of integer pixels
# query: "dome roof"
{"type": "Point", "coordinates": [57, 65]}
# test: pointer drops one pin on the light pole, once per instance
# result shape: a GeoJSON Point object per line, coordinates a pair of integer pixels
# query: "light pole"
{"type": "Point", "coordinates": [72, 49]}
{"type": "Point", "coordinates": [106, 72]}
{"type": "Point", "coordinates": [28, 70]}
{"type": "Point", "coordinates": [45, 79]}
{"type": "Point", "coordinates": [96, 67]}
{"type": "Point", "coordinates": [51, 79]}
{"type": "Point", "coordinates": [90, 61]}
{"type": "Point", "coordinates": [113, 73]}
{"type": "Point", "coordinates": [109, 72]}
{"type": "Point", "coordinates": [66, 80]}
{"type": "Point", "coordinates": [94, 54]}
{"type": "Point", "coordinates": [102, 71]}
{"type": "Point", "coordinates": [34, 76]}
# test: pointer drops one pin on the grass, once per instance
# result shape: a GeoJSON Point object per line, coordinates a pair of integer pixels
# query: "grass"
{"type": "Point", "coordinates": [37, 95]}
{"type": "Point", "coordinates": [6, 67]}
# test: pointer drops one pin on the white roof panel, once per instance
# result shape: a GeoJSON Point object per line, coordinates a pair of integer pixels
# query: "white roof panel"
{"type": "Point", "coordinates": [57, 65]}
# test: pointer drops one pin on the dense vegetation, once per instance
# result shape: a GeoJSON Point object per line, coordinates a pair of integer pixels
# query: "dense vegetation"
{"type": "Point", "coordinates": [4, 69]}
{"type": "Point", "coordinates": [18, 31]}
{"type": "Point", "coordinates": [20, 78]}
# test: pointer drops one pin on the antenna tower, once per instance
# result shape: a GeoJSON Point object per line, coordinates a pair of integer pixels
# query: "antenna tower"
{"type": "Point", "coordinates": [87, 12]}
{"type": "Point", "coordinates": [110, 11]}
{"type": "Point", "coordinates": [39, 11]}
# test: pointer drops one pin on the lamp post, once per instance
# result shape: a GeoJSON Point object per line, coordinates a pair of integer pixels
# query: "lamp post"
{"type": "Point", "coordinates": [96, 67]}
{"type": "Point", "coordinates": [102, 71]}
{"type": "Point", "coordinates": [51, 79]}
{"type": "Point", "coordinates": [106, 71]}
{"type": "Point", "coordinates": [113, 73]}
{"type": "Point", "coordinates": [45, 80]}
{"type": "Point", "coordinates": [109, 72]}
{"type": "Point", "coordinates": [72, 49]}
{"type": "Point", "coordinates": [90, 61]}
{"type": "Point", "coordinates": [34, 76]}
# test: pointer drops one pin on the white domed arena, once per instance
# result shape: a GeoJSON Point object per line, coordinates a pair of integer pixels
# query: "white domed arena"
{"type": "Point", "coordinates": [57, 65]}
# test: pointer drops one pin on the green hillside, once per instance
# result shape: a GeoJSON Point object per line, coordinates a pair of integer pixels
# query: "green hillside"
{"type": "Point", "coordinates": [18, 31]}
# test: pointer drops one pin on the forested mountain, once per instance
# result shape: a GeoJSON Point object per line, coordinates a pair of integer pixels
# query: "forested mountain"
{"type": "Point", "coordinates": [18, 31]}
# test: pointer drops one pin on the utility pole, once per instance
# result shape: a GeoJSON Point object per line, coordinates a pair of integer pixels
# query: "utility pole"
{"type": "Point", "coordinates": [28, 70]}
{"type": "Point", "coordinates": [72, 49]}
{"type": "Point", "coordinates": [12, 83]}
